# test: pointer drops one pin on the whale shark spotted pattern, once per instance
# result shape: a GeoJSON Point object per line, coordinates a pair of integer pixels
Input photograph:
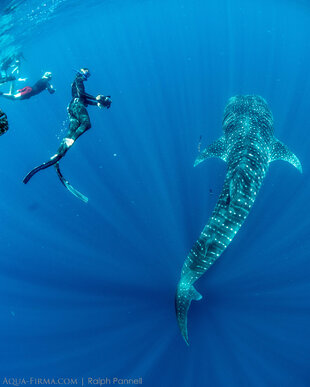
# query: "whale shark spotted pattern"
{"type": "Point", "coordinates": [247, 146]}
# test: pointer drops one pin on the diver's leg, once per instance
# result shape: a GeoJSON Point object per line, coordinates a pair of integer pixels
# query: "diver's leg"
{"type": "Point", "coordinates": [67, 142]}
{"type": "Point", "coordinates": [60, 153]}
{"type": "Point", "coordinates": [12, 87]}
{"type": "Point", "coordinates": [15, 73]}
{"type": "Point", "coordinates": [64, 146]}
{"type": "Point", "coordinates": [10, 96]}
{"type": "Point", "coordinates": [82, 128]}
{"type": "Point", "coordinates": [79, 112]}
{"type": "Point", "coordinates": [79, 123]}
{"type": "Point", "coordinates": [84, 123]}
{"type": "Point", "coordinates": [45, 165]}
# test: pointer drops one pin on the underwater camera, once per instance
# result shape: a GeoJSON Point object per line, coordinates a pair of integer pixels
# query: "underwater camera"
{"type": "Point", "coordinates": [104, 101]}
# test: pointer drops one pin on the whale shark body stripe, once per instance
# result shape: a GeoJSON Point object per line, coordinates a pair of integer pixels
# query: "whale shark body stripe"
{"type": "Point", "coordinates": [248, 146]}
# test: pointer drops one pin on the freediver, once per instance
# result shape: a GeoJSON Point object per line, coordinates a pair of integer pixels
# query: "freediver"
{"type": "Point", "coordinates": [79, 124]}
{"type": "Point", "coordinates": [28, 92]}
{"type": "Point", "coordinates": [11, 64]}
{"type": "Point", "coordinates": [10, 70]}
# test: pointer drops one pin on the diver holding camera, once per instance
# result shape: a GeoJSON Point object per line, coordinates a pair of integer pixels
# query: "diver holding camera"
{"type": "Point", "coordinates": [79, 124]}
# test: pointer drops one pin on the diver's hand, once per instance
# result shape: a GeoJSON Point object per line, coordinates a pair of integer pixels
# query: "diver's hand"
{"type": "Point", "coordinates": [103, 101]}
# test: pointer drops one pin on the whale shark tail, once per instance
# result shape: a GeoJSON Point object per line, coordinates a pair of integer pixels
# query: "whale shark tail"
{"type": "Point", "coordinates": [184, 295]}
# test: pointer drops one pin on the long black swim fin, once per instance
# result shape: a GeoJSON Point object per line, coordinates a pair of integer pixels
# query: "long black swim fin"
{"type": "Point", "coordinates": [48, 164]}
{"type": "Point", "coordinates": [69, 187]}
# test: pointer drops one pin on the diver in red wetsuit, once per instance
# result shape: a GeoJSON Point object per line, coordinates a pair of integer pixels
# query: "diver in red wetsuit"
{"type": "Point", "coordinates": [28, 92]}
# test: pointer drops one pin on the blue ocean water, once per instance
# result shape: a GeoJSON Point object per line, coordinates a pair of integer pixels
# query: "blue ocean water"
{"type": "Point", "coordinates": [87, 290]}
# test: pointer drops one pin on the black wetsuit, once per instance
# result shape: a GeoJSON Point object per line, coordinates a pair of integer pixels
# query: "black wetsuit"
{"type": "Point", "coordinates": [78, 115]}
{"type": "Point", "coordinates": [41, 85]}
{"type": "Point", "coordinates": [78, 91]}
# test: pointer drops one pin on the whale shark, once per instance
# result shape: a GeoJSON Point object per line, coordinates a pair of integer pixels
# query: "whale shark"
{"type": "Point", "coordinates": [248, 145]}
{"type": "Point", "coordinates": [4, 125]}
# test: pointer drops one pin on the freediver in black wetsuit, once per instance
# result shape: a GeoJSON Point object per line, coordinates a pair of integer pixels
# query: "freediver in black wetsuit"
{"type": "Point", "coordinates": [79, 124]}
{"type": "Point", "coordinates": [28, 92]}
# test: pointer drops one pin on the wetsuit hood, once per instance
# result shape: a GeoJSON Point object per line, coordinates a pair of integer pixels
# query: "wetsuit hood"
{"type": "Point", "coordinates": [47, 75]}
{"type": "Point", "coordinates": [84, 72]}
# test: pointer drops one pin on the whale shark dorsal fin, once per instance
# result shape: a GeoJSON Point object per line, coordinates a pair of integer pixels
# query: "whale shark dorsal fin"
{"type": "Point", "coordinates": [280, 151]}
{"type": "Point", "coordinates": [216, 149]}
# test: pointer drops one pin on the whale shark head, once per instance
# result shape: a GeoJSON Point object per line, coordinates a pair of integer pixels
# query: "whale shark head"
{"type": "Point", "coordinates": [250, 107]}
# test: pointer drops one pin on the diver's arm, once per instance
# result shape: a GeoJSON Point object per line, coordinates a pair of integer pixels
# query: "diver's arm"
{"type": "Point", "coordinates": [89, 97]}
{"type": "Point", "coordinates": [90, 102]}
{"type": "Point", "coordinates": [100, 100]}
{"type": "Point", "coordinates": [81, 90]}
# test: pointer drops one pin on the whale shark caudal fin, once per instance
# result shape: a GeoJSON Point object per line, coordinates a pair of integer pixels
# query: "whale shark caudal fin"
{"type": "Point", "coordinates": [69, 187]}
{"type": "Point", "coordinates": [216, 149]}
{"type": "Point", "coordinates": [183, 298]}
{"type": "Point", "coordinates": [280, 151]}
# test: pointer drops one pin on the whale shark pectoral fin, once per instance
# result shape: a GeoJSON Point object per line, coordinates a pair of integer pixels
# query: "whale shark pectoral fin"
{"type": "Point", "coordinates": [183, 298]}
{"type": "Point", "coordinates": [280, 151]}
{"type": "Point", "coordinates": [216, 149]}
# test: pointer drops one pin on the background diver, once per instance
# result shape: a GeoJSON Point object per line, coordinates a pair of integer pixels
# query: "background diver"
{"type": "Point", "coordinates": [28, 92]}
{"type": "Point", "coordinates": [10, 70]}
{"type": "Point", "coordinates": [4, 125]}
{"type": "Point", "coordinates": [79, 124]}
{"type": "Point", "coordinates": [4, 79]}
